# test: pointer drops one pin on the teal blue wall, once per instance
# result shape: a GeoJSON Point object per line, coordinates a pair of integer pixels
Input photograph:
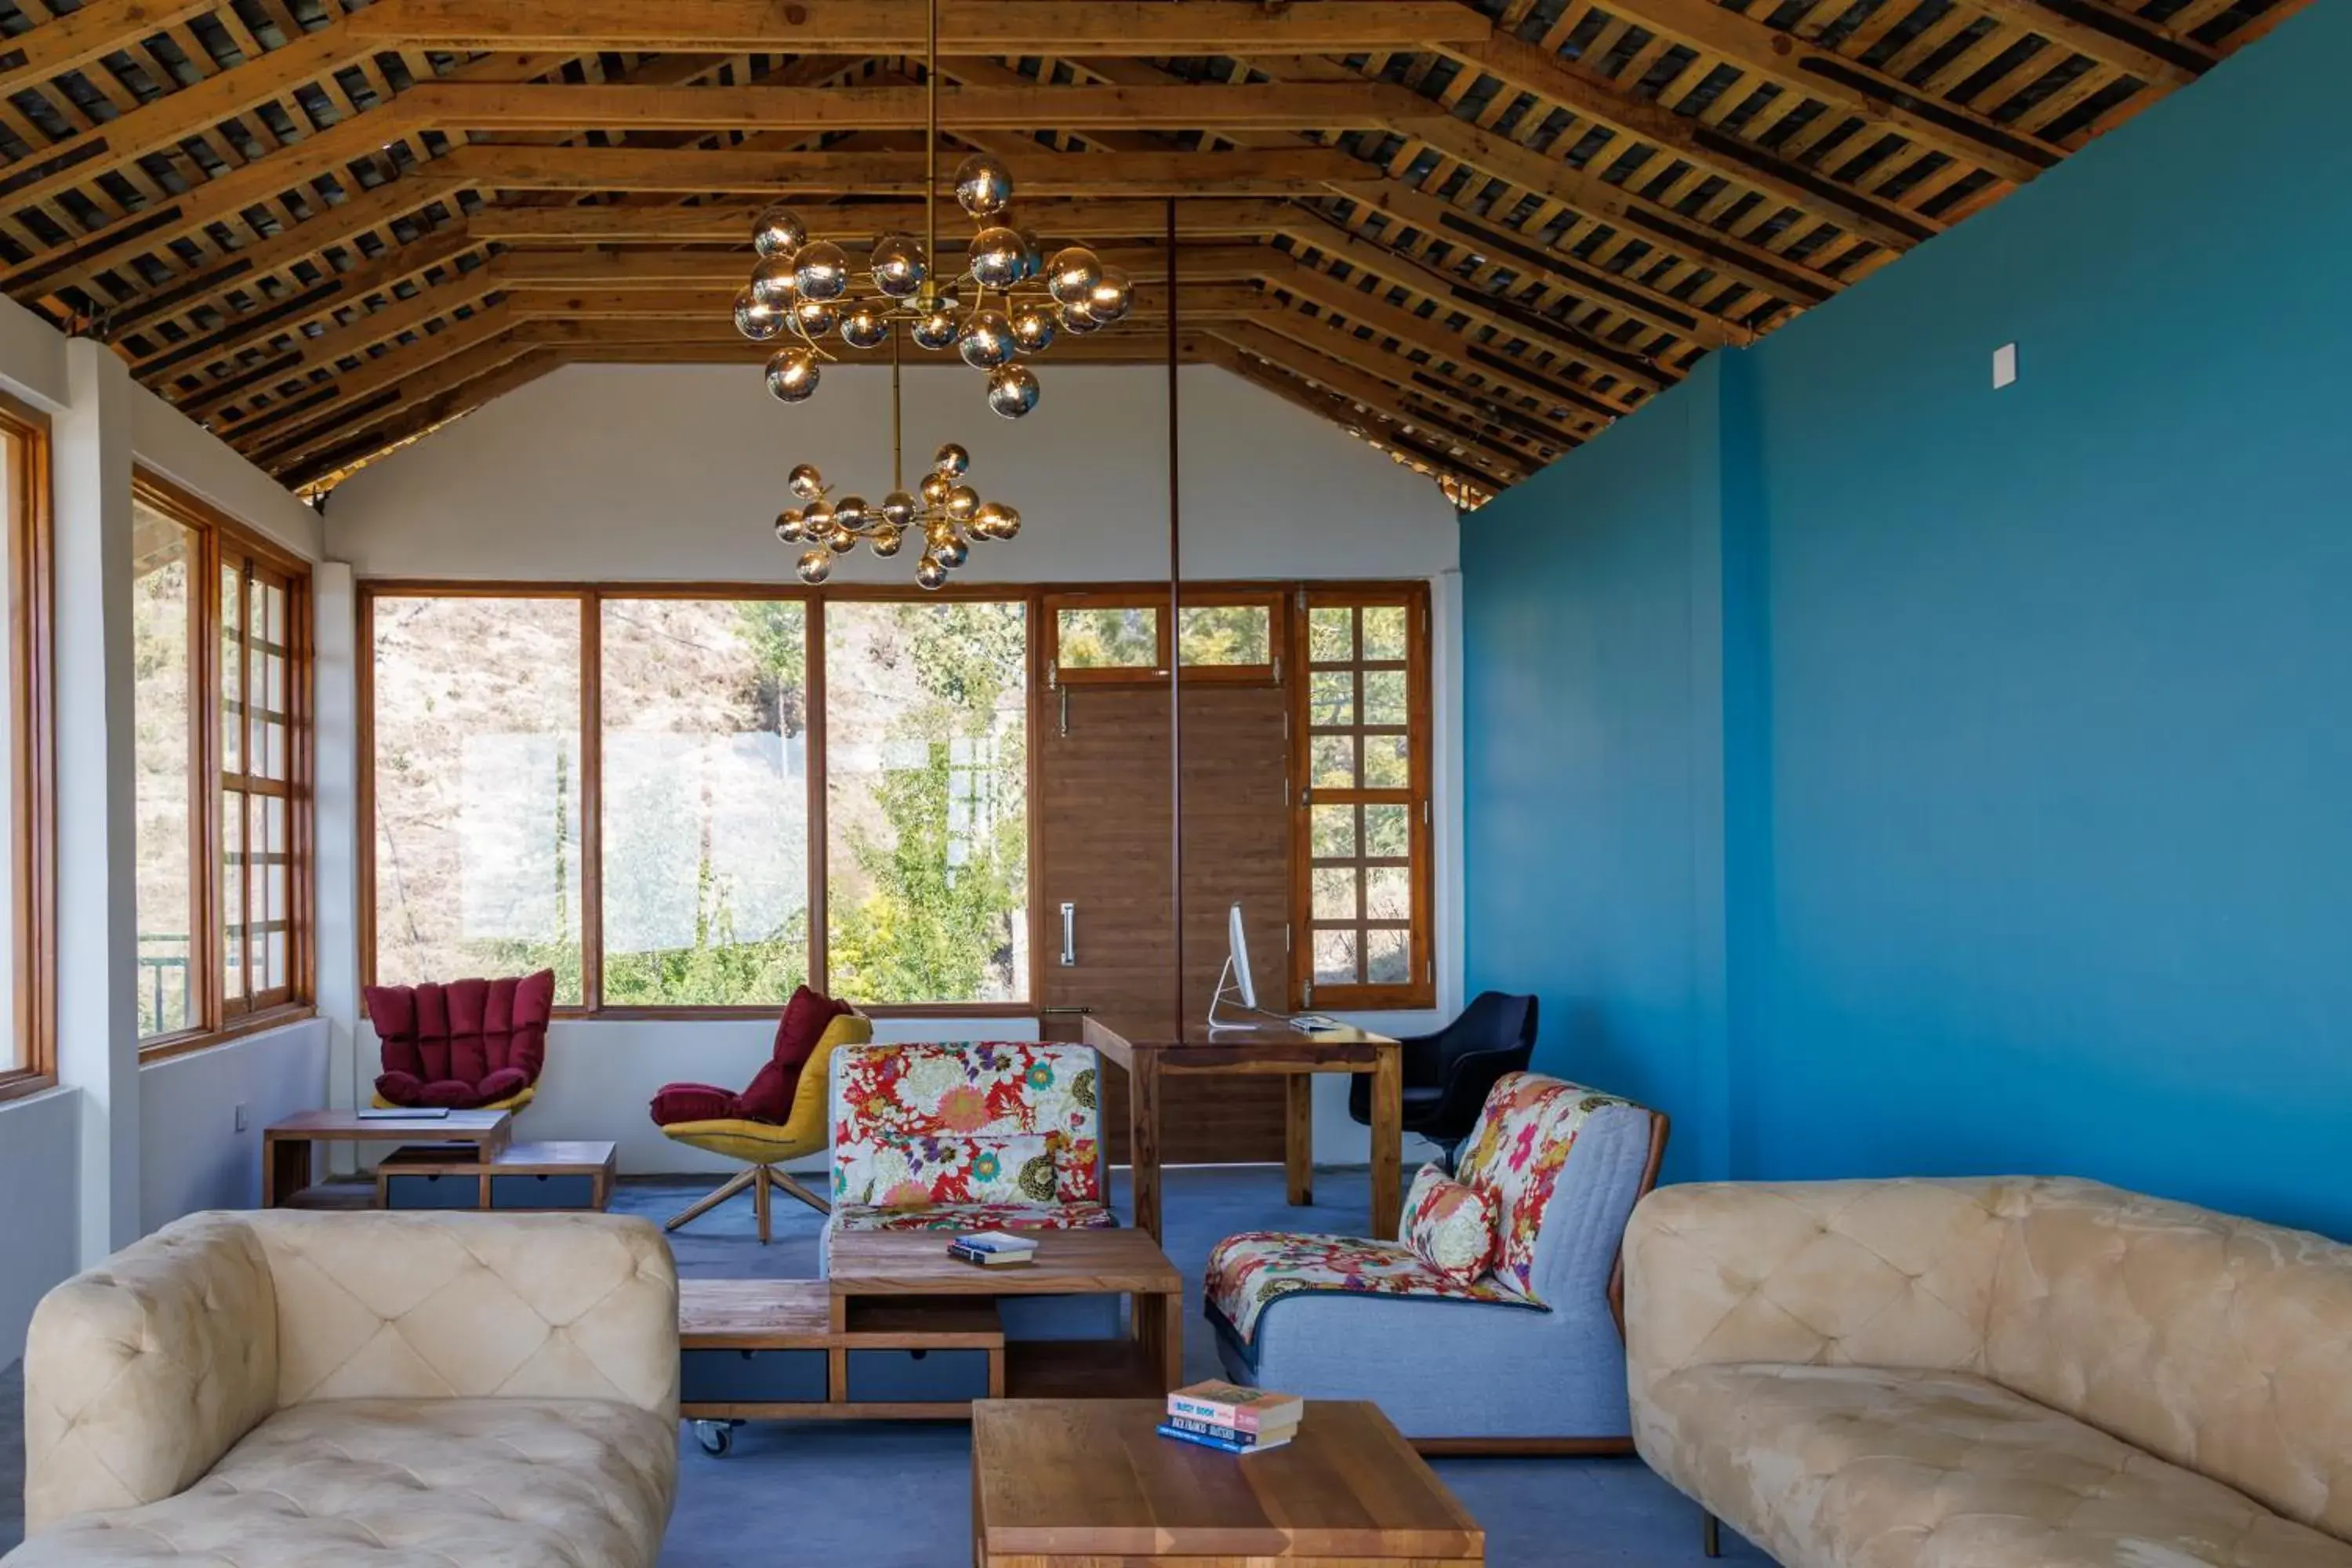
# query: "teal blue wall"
{"type": "Point", "coordinates": [1888, 773]}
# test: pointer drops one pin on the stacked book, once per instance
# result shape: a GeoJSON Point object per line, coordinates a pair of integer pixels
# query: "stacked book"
{"type": "Point", "coordinates": [1231, 1418]}
{"type": "Point", "coordinates": [995, 1248]}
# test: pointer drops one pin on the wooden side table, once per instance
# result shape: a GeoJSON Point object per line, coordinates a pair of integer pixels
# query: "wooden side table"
{"type": "Point", "coordinates": [286, 1146]}
{"type": "Point", "coordinates": [1082, 1483]}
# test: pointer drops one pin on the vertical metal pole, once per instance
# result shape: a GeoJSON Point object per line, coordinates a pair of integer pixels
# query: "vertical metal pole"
{"type": "Point", "coordinates": [1175, 642]}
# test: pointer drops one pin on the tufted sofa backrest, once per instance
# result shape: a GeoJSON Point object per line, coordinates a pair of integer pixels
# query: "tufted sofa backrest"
{"type": "Point", "coordinates": [139, 1375]}
{"type": "Point", "coordinates": [2214, 1342]}
{"type": "Point", "coordinates": [989, 1088]}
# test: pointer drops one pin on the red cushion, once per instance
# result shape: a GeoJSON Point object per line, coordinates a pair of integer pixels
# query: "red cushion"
{"type": "Point", "coordinates": [464, 1044]}
{"type": "Point", "coordinates": [677, 1102]}
{"type": "Point", "coordinates": [770, 1097]}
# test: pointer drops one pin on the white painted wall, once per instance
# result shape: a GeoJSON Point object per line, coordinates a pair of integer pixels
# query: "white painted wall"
{"type": "Point", "coordinates": [192, 1154]}
{"type": "Point", "coordinates": [40, 1242]}
{"type": "Point", "coordinates": [621, 473]}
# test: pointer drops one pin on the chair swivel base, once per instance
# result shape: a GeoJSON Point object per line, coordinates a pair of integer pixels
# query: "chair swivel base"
{"type": "Point", "coordinates": [761, 1179]}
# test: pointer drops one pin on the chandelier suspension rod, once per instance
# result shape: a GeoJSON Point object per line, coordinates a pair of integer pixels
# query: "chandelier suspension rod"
{"type": "Point", "coordinates": [930, 144]}
{"type": "Point", "coordinates": [1175, 649]}
{"type": "Point", "coordinates": [898, 466]}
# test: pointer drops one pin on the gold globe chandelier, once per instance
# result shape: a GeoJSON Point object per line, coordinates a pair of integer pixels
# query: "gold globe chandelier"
{"type": "Point", "coordinates": [807, 290]}
{"type": "Point", "coordinates": [948, 513]}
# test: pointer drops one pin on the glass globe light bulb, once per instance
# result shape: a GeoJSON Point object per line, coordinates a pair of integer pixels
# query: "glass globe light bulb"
{"type": "Point", "coordinates": [779, 231]}
{"type": "Point", "coordinates": [814, 318]}
{"type": "Point", "coordinates": [898, 509]}
{"type": "Point", "coordinates": [841, 541]}
{"type": "Point", "coordinates": [1032, 329]}
{"type": "Point", "coordinates": [986, 339]}
{"type": "Point", "coordinates": [935, 331]}
{"type": "Point", "coordinates": [1076, 320]}
{"type": "Point", "coordinates": [935, 487]}
{"type": "Point", "coordinates": [886, 540]}
{"type": "Point", "coordinates": [822, 271]}
{"type": "Point", "coordinates": [754, 318]}
{"type": "Point", "coordinates": [1070, 277]}
{"type": "Point", "coordinates": [793, 376]}
{"type": "Point", "coordinates": [818, 519]}
{"type": "Point", "coordinates": [1013, 390]}
{"type": "Point", "coordinates": [996, 258]}
{"type": "Point", "coordinates": [988, 520]}
{"type": "Point", "coordinates": [864, 328]}
{"type": "Point", "coordinates": [929, 573]}
{"type": "Point", "coordinates": [805, 481]}
{"type": "Point", "coordinates": [950, 459]}
{"type": "Point", "coordinates": [771, 282]}
{"type": "Point", "coordinates": [898, 266]}
{"type": "Point", "coordinates": [954, 553]}
{"type": "Point", "coordinates": [816, 566]}
{"type": "Point", "coordinates": [982, 186]}
{"type": "Point", "coordinates": [1010, 523]}
{"type": "Point", "coordinates": [1111, 298]}
{"type": "Point", "coordinates": [961, 502]}
{"type": "Point", "coordinates": [788, 525]}
{"type": "Point", "coordinates": [849, 511]}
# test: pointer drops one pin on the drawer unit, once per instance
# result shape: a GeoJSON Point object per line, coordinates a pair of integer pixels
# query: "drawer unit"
{"type": "Point", "coordinates": [439, 1190]}
{"type": "Point", "coordinates": [916, 1376]}
{"type": "Point", "coordinates": [545, 1190]}
{"type": "Point", "coordinates": [751, 1376]}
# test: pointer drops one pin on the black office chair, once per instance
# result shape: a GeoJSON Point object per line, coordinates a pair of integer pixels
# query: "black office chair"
{"type": "Point", "coordinates": [1447, 1075]}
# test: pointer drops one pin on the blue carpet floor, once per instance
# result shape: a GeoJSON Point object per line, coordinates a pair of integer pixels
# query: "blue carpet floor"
{"type": "Point", "coordinates": [859, 1494]}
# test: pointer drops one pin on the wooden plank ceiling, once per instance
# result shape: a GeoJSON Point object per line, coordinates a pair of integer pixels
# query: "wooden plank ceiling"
{"type": "Point", "coordinates": [1473, 233]}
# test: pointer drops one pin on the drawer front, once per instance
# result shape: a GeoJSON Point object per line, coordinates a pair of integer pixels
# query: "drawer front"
{"type": "Point", "coordinates": [751, 1377]}
{"type": "Point", "coordinates": [891, 1377]}
{"type": "Point", "coordinates": [543, 1192]}
{"type": "Point", "coordinates": [432, 1191]}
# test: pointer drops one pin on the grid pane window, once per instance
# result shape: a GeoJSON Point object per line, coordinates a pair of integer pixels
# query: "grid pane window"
{"type": "Point", "coordinates": [1363, 754]}
{"type": "Point", "coordinates": [705, 789]}
{"type": "Point", "coordinates": [927, 852]}
{"type": "Point", "coordinates": [477, 782]}
{"type": "Point", "coordinates": [257, 861]}
{"type": "Point", "coordinates": [27, 913]}
{"type": "Point", "coordinates": [164, 708]}
{"type": "Point", "coordinates": [1118, 637]}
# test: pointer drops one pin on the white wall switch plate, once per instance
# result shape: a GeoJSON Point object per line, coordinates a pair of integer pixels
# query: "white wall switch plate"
{"type": "Point", "coordinates": [241, 1117]}
{"type": "Point", "coordinates": [2004, 365]}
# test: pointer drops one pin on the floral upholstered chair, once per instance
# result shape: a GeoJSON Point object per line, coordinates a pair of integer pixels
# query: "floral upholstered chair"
{"type": "Point", "coordinates": [986, 1136]}
{"type": "Point", "coordinates": [1497, 1317]}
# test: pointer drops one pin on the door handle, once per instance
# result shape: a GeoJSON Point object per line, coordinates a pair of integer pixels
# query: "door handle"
{"type": "Point", "coordinates": [1069, 935]}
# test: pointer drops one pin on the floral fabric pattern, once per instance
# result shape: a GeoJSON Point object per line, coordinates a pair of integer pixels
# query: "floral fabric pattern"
{"type": "Point", "coordinates": [1250, 1272]}
{"type": "Point", "coordinates": [916, 1173]}
{"type": "Point", "coordinates": [891, 1099]}
{"type": "Point", "coordinates": [1448, 1226]}
{"type": "Point", "coordinates": [976, 1217]}
{"type": "Point", "coordinates": [1524, 1133]}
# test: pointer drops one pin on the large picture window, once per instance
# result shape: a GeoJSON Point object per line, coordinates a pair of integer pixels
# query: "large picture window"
{"type": "Point", "coordinates": [777, 786]}
{"type": "Point", "coordinates": [29, 912]}
{"type": "Point", "coordinates": [220, 626]}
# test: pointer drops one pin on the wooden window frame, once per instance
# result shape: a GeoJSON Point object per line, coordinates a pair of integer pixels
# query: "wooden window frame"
{"type": "Point", "coordinates": [1200, 596]}
{"type": "Point", "coordinates": [31, 755]}
{"type": "Point", "coordinates": [221, 540]}
{"type": "Point", "coordinates": [1285, 629]}
{"type": "Point", "coordinates": [1421, 989]}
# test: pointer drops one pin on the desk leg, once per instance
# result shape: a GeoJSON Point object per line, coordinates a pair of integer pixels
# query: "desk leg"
{"type": "Point", "coordinates": [1143, 1139]}
{"type": "Point", "coordinates": [1388, 1144]}
{"type": "Point", "coordinates": [1298, 1135]}
{"type": "Point", "coordinates": [285, 1171]}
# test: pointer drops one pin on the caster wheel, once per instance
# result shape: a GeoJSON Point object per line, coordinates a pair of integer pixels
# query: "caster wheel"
{"type": "Point", "coordinates": [715, 1437]}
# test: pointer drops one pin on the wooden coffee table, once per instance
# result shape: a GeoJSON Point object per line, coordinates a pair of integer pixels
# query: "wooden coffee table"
{"type": "Point", "coordinates": [1066, 1483]}
{"type": "Point", "coordinates": [286, 1146]}
{"type": "Point", "coordinates": [865, 1264]}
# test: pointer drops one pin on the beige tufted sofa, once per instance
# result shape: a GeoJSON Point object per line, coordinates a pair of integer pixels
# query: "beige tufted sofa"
{"type": "Point", "coordinates": [251, 1390]}
{"type": "Point", "coordinates": [1995, 1374]}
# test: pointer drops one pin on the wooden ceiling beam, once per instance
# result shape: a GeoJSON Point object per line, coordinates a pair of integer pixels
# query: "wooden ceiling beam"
{"type": "Point", "coordinates": [882, 27]}
{"type": "Point", "coordinates": [381, 373]}
{"type": "Point", "coordinates": [731, 223]}
{"type": "Point", "coordinates": [726, 270]}
{"type": "Point", "coordinates": [1302, 171]}
{"type": "Point", "coordinates": [378, 438]}
{"type": "Point", "coordinates": [1337, 411]}
{"type": "Point", "coordinates": [80, 37]}
{"type": "Point", "coordinates": [709, 307]}
{"type": "Point", "coordinates": [2148, 50]}
{"type": "Point", "coordinates": [779, 110]}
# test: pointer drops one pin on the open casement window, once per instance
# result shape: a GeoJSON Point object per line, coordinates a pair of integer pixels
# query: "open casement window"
{"type": "Point", "coordinates": [29, 913]}
{"type": "Point", "coordinates": [1360, 763]}
{"type": "Point", "coordinates": [1122, 638]}
{"type": "Point", "coordinates": [220, 630]}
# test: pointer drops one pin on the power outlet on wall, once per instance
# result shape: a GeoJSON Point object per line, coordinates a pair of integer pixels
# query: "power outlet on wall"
{"type": "Point", "coordinates": [2004, 366]}
{"type": "Point", "coordinates": [241, 1117]}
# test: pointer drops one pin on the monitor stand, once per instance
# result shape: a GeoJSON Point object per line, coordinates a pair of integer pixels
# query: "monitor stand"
{"type": "Point", "coordinates": [1227, 988]}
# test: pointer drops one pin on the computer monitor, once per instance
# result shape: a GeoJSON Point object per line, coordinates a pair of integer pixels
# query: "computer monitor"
{"type": "Point", "coordinates": [1235, 981]}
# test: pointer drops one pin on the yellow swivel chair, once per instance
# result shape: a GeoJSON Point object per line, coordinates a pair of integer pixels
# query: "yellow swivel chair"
{"type": "Point", "coordinates": [762, 1146]}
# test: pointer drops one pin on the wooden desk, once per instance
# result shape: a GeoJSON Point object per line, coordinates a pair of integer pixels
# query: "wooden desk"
{"type": "Point", "coordinates": [1148, 1053]}
{"type": "Point", "coordinates": [286, 1163]}
{"type": "Point", "coordinates": [1086, 1483]}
